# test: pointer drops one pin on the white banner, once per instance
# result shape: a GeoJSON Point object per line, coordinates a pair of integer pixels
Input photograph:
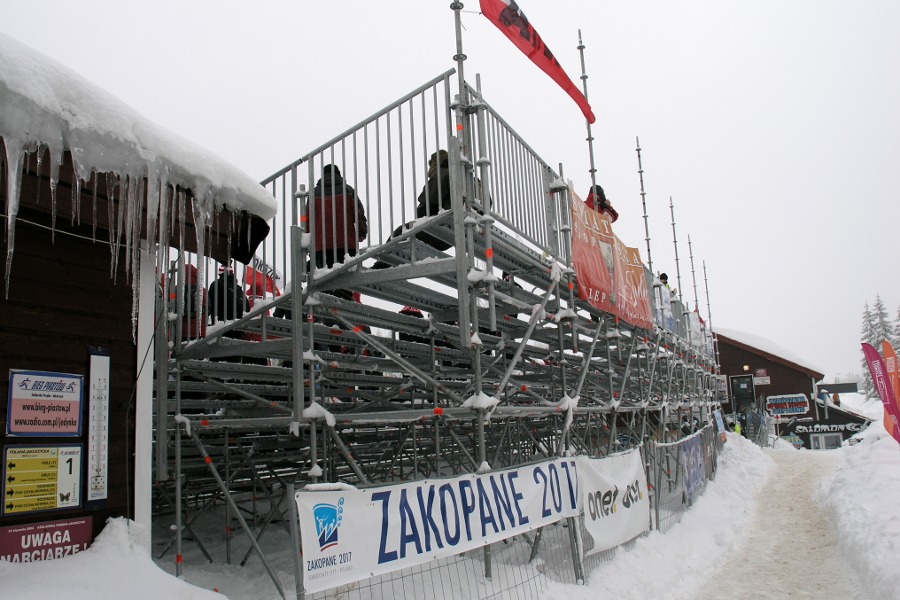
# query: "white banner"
{"type": "Point", "coordinates": [615, 499]}
{"type": "Point", "coordinates": [352, 534]}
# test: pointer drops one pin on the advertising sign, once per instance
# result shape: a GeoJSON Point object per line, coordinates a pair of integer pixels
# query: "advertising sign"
{"type": "Point", "coordinates": [350, 534]}
{"type": "Point", "coordinates": [37, 478]}
{"type": "Point", "coordinates": [692, 464]}
{"type": "Point", "coordinates": [615, 499]}
{"type": "Point", "coordinates": [44, 404]}
{"type": "Point", "coordinates": [720, 425]}
{"type": "Point", "coordinates": [790, 404]}
{"type": "Point", "coordinates": [610, 274]}
{"type": "Point", "coordinates": [45, 541]}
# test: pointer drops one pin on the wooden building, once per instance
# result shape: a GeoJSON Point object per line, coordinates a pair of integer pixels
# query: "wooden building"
{"type": "Point", "coordinates": [765, 378]}
{"type": "Point", "coordinates": [94, 197]}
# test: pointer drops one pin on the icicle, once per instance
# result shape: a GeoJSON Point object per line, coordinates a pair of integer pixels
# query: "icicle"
{"type": "Point", "coordinates": [77, 184]}
{"type": "Point", "coordinates": [129, 199]}
{"type": "Point", "coordinates": [181, 217]}
{"type": "Point", "coordinates": [54, 181]}
{"type": "Point", "coordinates": [40, 161]}
{"type": "Point", "coordinates": [135, 294]}
{"type": "Point", "coordinates": [111, 218]}
{"type": "Point", "coordinates": [95, 177]}
{"type": "Point", "coordinates": [120, 220]}
{"type": "Point", "coordinates": [14, 183]}
{"type": "Point", "coordinates": [202, 208]}
{"type": "Point", "coordinates": [154, 195]}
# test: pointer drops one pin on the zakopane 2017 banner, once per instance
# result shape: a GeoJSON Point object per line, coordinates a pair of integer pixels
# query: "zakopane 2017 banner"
{"type": "Point", "coordinates": [610, 274]}
{"type": "Point", "coordinates": [350, 534]}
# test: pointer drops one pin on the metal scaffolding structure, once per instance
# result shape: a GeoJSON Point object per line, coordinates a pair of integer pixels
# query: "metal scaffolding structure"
{"type": "Point", "coordinates": [446, 341]}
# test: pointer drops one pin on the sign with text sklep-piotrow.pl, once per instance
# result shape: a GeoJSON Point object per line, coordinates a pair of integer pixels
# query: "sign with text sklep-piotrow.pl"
{"type": "Point", "coordinates": [351, 534]}
{"type": "Point", "coordinates": [42, 403]}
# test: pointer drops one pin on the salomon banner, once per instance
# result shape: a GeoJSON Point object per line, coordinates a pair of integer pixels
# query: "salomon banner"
{"type": "Point", "coordinates": [615, 499]}
{"type": "Point", "coordinates": [610, 274]}
{"type": "Point", "coordinates": [350, 534]}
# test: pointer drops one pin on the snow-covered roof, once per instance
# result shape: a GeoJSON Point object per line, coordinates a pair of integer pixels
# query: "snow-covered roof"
{"type": "Point", "coordinates": [767, 346]}
{"type": "Point", "coordinates": [46, 103]}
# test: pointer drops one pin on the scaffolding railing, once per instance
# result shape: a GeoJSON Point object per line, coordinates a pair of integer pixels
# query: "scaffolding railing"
{"type": "Point", "coordinates": [446, 335]}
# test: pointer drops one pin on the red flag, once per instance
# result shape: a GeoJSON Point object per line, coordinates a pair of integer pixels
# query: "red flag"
{"type": "Point", "coordinates": [884, 387]}
{"type": "Point", "coordinates": [510, 19]}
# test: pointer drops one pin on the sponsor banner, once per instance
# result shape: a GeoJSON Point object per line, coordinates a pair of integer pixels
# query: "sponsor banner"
{"type": "Point", "coordinates": [829, 428]}
{"type": "Point", "coordinates": [720, 425]}
{"type": "Point", "coordinates": [45, 541]}
{"type": "Point", "coordinates": [884, 387]}
{"type": "Point", "coordinates": [692, 465]}
{"type": "Point", "coordinates": [44, 404]}
{"type": "Point", "coordinates": [351, 534]}
{"type": "Point", "coordinates": [610, 274]}
{"type": "Point", "coordinates": [790, 404]}
{"type": "Point", "coordinates": [893, 371]}
{"type": "Point", "coordinates": [614, 498]}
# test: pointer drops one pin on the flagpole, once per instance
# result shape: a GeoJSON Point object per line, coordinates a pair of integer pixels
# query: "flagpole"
{"type": "Point", "coordinates": [693, 275]}
{"type": "Point", "coordinates": [675, 243]}
{"type": "Point", "coordinates": [590, 137]}
{"type": "Point", "coordinates": [644, 203]}
{"type": "Point", "coordinates": [460, 57]}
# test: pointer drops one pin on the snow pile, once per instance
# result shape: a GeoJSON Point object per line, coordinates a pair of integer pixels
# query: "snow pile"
{"type": "Point", "coordinates": [117, 565]}
{"type": "Point", "coordinates": [866, 515]}
{"type": "Point", "coordinates": [707, 532]}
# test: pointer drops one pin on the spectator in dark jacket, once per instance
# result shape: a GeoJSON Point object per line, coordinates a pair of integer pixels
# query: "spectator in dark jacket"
{"type": "Point", "coordinates": [339, 222]}
{"type": "Point", "coordinates": [597, 200]}
{"type": "Point", "coordinates": [226, 297]}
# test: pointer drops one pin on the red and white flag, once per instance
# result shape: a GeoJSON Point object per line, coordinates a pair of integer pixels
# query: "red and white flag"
{"type": "Point", "coordinates": [510, 19]}
{"type": "Point", "coordinates": [882, 383]}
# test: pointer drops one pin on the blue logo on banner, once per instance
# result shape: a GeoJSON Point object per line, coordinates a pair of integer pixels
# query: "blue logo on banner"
{"type": "Point", "coordinates": [328, 518]}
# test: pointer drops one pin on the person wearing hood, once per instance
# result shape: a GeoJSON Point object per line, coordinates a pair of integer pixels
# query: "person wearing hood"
{"type": "Point", "coordinates": [338, 223]}
{"type": "Point", "coordinates": [226, 297]}
{"type": "Point", "coordinates": [596, 200]}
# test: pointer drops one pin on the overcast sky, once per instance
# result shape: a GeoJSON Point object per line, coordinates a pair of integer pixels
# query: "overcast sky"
{"type": "Point", "coordinates": [773, 125]}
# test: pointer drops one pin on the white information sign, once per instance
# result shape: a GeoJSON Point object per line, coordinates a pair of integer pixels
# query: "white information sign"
{"type": "Point", "coordinates": [351, 534]}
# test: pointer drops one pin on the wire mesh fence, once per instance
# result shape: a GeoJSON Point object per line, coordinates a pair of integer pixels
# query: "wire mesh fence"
{"type": "Point", "coordinates": [522, 566]}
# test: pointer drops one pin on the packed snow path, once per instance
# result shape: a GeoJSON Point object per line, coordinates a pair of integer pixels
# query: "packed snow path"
{"type": "Point", "coordinates": [791, 549]}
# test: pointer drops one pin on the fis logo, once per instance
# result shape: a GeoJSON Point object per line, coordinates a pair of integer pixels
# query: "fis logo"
{"type": "Point", "coordinates": [328, 519]}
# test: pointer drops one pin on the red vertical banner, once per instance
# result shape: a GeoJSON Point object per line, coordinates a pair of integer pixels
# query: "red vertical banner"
{"type": "Point", "coordinates": [885, 390]}
{"type": "Point", "coordinates": [893, 371]}
{"type": "Point", "coordinates": [509, 18]}
{"type": "Point", "coordinates": [610, 274]}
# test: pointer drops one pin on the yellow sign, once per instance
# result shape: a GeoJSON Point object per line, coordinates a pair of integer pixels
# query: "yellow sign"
{"type": "Point", "coordinates": [41, 478]}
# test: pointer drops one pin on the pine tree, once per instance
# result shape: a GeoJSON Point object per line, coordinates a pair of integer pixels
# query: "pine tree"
{"type": "Point", "coordinates": [883, 330]}
{"type": "Point", "coordinates": [895, 341]}
{"type": "Point", "coordinates": [866, 335]}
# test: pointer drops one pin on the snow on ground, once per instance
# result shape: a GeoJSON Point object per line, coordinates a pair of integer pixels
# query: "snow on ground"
{"type": "Point", "coordinates": [738, 521]}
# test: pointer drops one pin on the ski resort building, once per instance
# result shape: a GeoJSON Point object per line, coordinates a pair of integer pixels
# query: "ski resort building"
{"type": "Point", "coordinates": [418, 315]}
{"type": "Point", "coordinates": [765, 379]}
